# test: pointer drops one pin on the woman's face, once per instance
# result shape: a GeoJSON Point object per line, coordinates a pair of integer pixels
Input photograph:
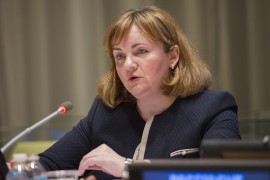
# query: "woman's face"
{"type": "Point", "coordinates": [141, 64]}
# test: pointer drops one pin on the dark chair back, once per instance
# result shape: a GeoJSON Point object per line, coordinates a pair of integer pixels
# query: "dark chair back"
{"type": "Point", "coordinates": [3, 166]}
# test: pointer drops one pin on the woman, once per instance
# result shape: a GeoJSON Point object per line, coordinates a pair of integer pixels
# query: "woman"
{"type": "Point", "coordinates": [153, 102]}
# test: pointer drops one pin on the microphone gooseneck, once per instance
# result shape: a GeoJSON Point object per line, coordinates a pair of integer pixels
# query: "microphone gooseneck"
{"type": "Point", "coordinates": [62, 109]}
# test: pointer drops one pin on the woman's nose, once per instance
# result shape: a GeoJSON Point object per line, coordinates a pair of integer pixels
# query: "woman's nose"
{"type": "Point", "coordinates": [131, 64]}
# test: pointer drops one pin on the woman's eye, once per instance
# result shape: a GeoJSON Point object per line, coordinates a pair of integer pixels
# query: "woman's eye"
{"type": "Point", "coordinates": [141, 51]}
{"type": "Point", "coordinates": [119, 57]}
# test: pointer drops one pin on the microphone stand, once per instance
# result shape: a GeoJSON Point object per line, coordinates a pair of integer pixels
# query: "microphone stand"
{"type": "Point", "coordinates": [29, 129]}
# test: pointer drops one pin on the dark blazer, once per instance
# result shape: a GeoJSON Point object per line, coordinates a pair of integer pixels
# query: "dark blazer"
{"type": "Point", "coordinates": [209, 114]}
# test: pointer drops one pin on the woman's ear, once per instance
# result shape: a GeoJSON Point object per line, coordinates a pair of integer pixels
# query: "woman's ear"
{"type": "Point", "coordinates": [174, 55]}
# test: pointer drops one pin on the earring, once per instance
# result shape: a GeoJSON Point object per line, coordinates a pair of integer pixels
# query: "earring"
{"type": "Point", "coordinates": [172, 66]}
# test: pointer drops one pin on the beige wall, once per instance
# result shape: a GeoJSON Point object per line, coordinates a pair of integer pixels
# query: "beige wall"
{"type": "Point", "coordinates": [51, 51]}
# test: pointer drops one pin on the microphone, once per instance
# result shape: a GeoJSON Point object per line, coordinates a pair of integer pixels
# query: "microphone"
{"type": "Point", "coordinates": [62, 109]}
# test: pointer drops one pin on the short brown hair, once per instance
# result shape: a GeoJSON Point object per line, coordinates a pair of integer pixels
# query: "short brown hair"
{"type": "Point", "coordinates": [190, 74]}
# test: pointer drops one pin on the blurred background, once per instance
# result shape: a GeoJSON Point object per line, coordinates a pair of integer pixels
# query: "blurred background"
{"type": "Point", "coordinates": [51, 51]}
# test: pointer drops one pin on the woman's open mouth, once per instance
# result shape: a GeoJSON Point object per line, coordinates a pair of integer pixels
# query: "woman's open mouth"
{"type": "Point", "coordinates": [133, 78]}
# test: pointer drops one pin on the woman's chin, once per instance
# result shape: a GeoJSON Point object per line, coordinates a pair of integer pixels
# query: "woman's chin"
{"type": "Point", "coordinates": [140, 95]}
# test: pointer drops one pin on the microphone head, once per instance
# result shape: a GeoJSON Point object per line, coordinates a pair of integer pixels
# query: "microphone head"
{"type": "Point", "coordinates": [65, 106]}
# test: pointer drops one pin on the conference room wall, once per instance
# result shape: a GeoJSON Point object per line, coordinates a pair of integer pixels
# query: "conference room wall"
{"type": "Point", "coordinates": [51, 51]}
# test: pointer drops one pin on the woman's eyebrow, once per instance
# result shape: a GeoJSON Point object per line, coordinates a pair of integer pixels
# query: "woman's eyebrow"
{"type": "Point", "coordinates": [116, 48]}
{"type": "Point", "coordinates": [132, 47]}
